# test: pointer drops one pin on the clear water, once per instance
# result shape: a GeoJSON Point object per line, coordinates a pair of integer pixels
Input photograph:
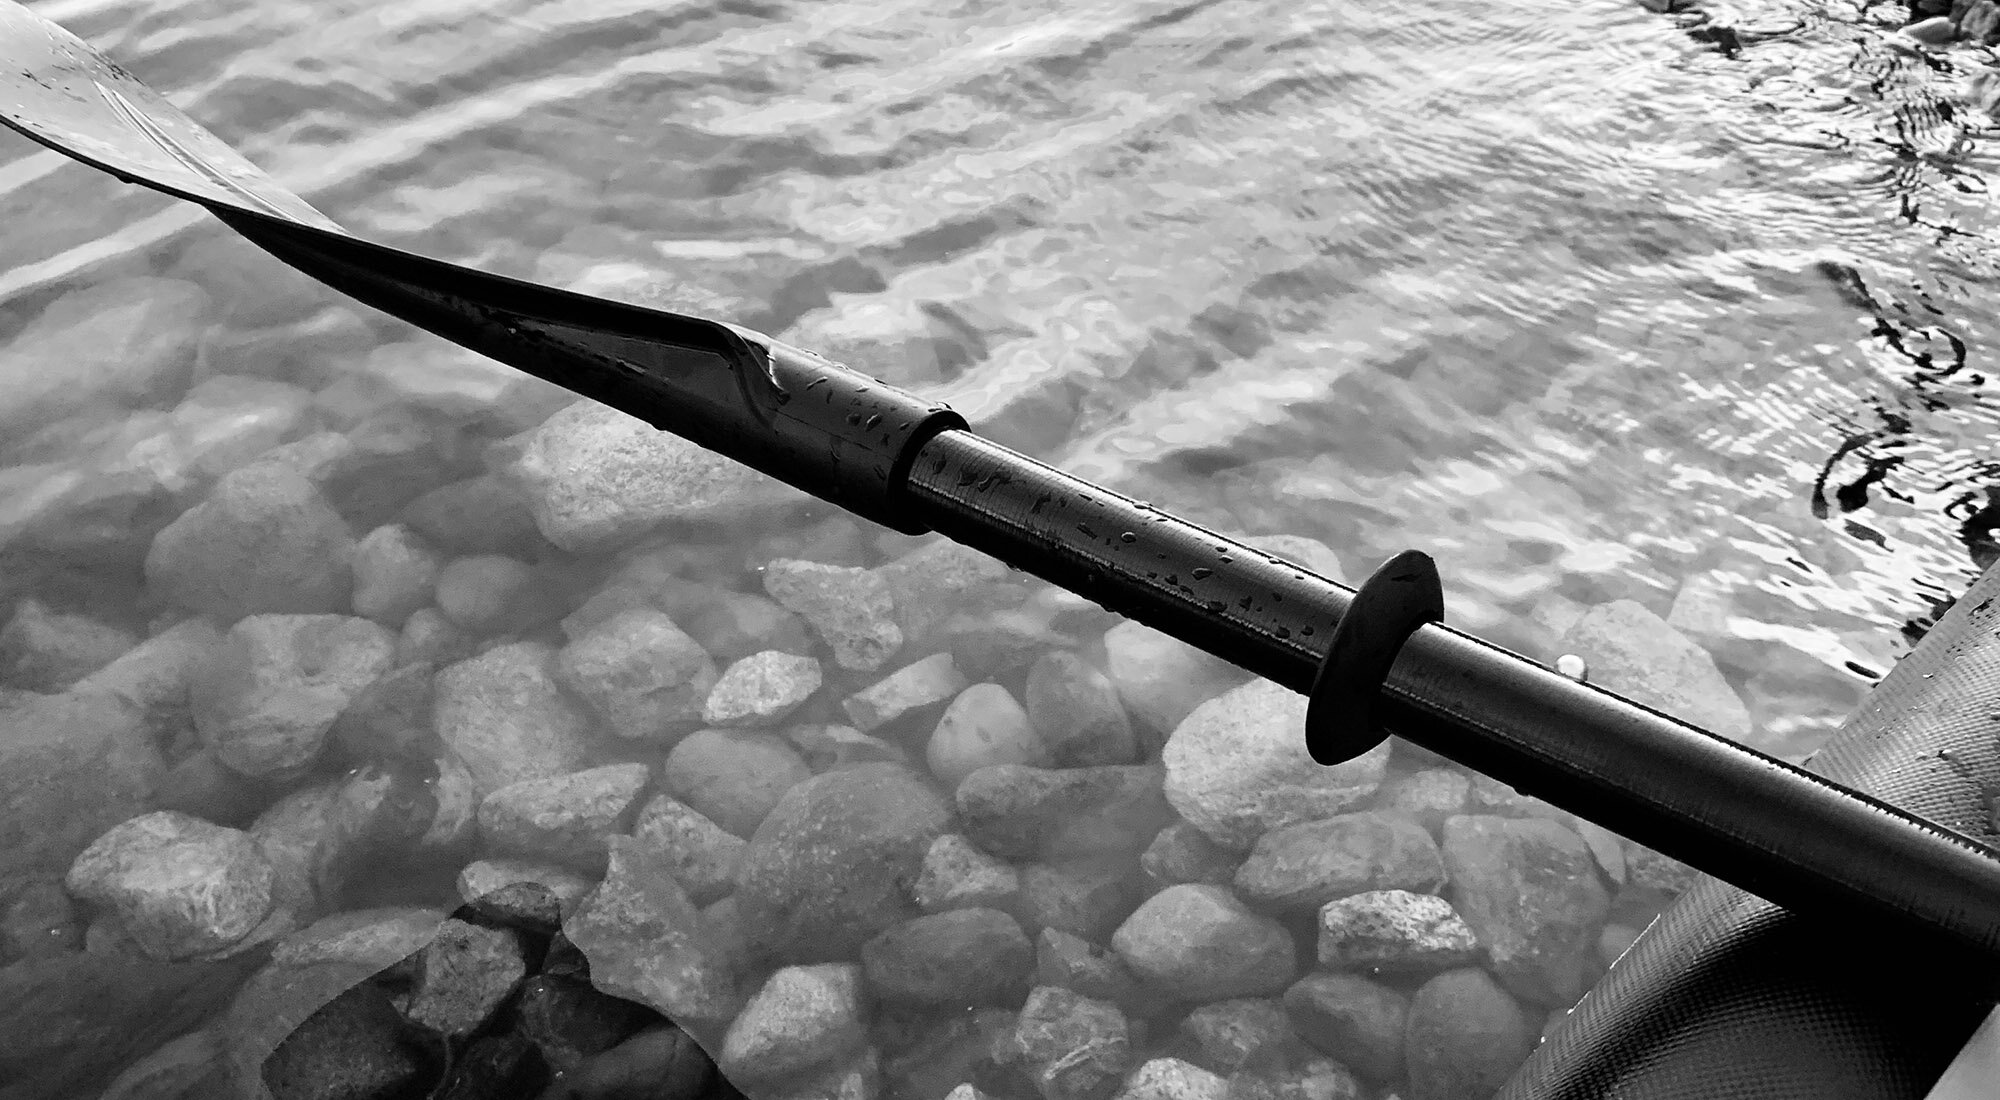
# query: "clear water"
{"type": "Point", "coordinates": [1562, 294]}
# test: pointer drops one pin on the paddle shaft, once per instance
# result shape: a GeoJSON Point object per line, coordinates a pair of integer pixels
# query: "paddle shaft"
{"type": "Point", "coordinates": [1775, 830]}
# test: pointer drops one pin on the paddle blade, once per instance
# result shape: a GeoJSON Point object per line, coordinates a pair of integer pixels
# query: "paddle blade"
{"type": "Point", "coordinates": [63, 93]}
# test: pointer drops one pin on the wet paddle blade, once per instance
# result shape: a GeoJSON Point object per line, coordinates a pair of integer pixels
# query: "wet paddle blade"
{"type": "Point", "coordinates": [63, 93]}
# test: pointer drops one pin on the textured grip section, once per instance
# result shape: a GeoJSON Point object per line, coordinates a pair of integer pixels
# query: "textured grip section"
{"type": "Point", "coordinates": [1728, 997]}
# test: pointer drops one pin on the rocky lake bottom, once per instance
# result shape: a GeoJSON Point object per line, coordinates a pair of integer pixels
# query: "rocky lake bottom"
{"type": "Point", "coordinates": [863, 815]}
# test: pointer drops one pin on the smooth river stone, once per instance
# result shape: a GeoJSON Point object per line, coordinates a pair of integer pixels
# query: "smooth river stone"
{"type": "Point", "coordinates": [1238, 768]}
{"type": "Point", "coordinates": [279, 682]}
{"type": "Point", "coordinates": [1198, 943]}
{"type": "Point", "coordinates": [264, 540]}
{"type": "Point", "coordinates": [504, 716]}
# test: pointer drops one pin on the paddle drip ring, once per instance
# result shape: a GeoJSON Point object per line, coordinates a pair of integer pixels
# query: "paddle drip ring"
{"type": "Point", "coordinates": [1401, 596]}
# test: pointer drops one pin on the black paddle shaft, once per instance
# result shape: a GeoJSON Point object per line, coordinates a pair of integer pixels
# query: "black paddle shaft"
{"type": "Point", "coordinates": [1756, 822]}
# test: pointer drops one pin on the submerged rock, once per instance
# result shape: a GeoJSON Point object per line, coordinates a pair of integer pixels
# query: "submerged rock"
{"type": "Point", "coordinates": [1077, 711]}
{"type": "Point", "coordinates": [1359, 1021]}
{"type": "Point", "coordinates": [1304, 866]}
{"type": "Point", "coordinates": [596, 477]}
{"type": "Point", "coordinates": [1020, 812]}
{"type": "Point", "coordinates": [760, 689]}
{"type": "Point", "coordinates": [961, 957]}
{"type": "Point", "coordinates": [983, 726]}
{"type": "Point", "coordinates": [1635, 653]}
{"type": "Point", "coordinates": [566, 818]}
{"type": "Point", "coordinates": [1237, 767]}
{"type": "Point", "coordinates": [394, 571]}
{"type": "Point", "coordinates": [503, 714]}
{"type": "Point", "coordinates": [180, 887]}
{"type": "Point", "coordinates": [803, 1018]}
{"type": "Point", "coordinates": [957, 875]}
{"type": "Point", "coordinates": [265, 540]}
{"type": "Point", "coordinates": [1529, 889]}
{"type": "Point", "coordinates": [1198, 943]}
{"type": "Point", "coordinates": [1395, 931]}
{"type": "Point", "coordinates": [1466, 1036]}
{"type": "Point", "coordinates": [648, 943]}
{"type": "Point", "coordinates": [1072, 1047]}
{"type": "Point", "coordinates": [278, 683]}
{"type": "Point", "coordinates": [704, 857]}
{"type": "Point", "coordinates": [1161, 679]}
{"type": "Point", "coordinates": [849, 608]}
{"type": "Point", "coordinates": [641, 672]}
{"type": "Point", "coordinates": [830, 867]}
{"type": "Point", "coordinates": [733, 777]}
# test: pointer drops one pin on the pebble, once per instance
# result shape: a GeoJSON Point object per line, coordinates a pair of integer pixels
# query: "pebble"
{"type": "Point", "coordinates": [1428, 795]}
{"type": "Point", "coordinates": [42, 649]}
{"type": "Point", "coordinates": [1635, 653]}
{"type": "Point", "coordinates": [596, 478]}
{"type": "Point", "coordinates": [849, 608]}
{"type": "Point", "coordinates": [914, 691]}
{"type": "Point", "coordinates": [963, 957]}
{"type": "Point", "coordinates": [761, 689]}
{"type": "Point", "coordinates": [277, 684]}
{"type": "Point", "coordinates": [804, 1018]}
{"type": "Point", "coordinates": [732, 777]}
{"type": "Point", "coordinates": [1160, 678]}
{"type": "Point", "coordinates": [506, 718]}
{"type": "Point", "coordinates": [395, 573]}
{"type": "Point", "coordinates": [127, 341]}
{"type": "Point", "coordinates": [957, 875]}
{"type": "Point", "coordinates": [1244, 1033]}
{"type": "Point", "coordinates": [566, 819]}
{"type": "Point", "coordinates": [1173, 1079]}
{"type": "Point", "coordinates": [483, 514]}
{"type": "Point", "coordinates": [1359, 1021]}
{"type": "Point", "coordinates": [831, 866]}
{"type": "Point", "coordinates": [1302, 867]}
{"type": "Point", "coordinates": [462, 977]}
{"type": "Point", "coordinates": [485, 879]}
{"type": "Point", "coordinates": [1394, 931]}
{"type": "Point", "coordinates": [1072, 1047]}
{"type": "Point", "coordinates": [1182, 853]}
{"type": "Point", "coordinates": [179, 886]}
{"type": "Point", "coordinates": [1071, 962]}
{"type": "Point", "coordinates": [1085, 899]}
{"type": "Point", "coordinates": [983, 726]}
{"type": "Point", "coordinates": [642, 674]}
{"type": "Point", "coordinates": [1529, 889]}
{"type": "Point", "coordinates": [1198, 943]}
{"type": "Point", "coordinates": [1237, 767]}
{"type": "Point", "coordinates": [704, 856]}
{"type": "Point", "coordinates": [264, 541]}
{"type": "Point", "coordinates": [1466, 1036]}
{"type": "Point", "coordinates": [647, 942]}
{"type": "Point", "coordinates": [1019, 812]}
{"type": "Point", "coordinates": [1077, 711]}
{"type": "Point", "coordinates": [481, 593]}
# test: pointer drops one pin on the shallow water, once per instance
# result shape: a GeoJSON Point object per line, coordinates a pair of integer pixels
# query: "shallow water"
{"type": "Point", "coordinates": [1562, 294]}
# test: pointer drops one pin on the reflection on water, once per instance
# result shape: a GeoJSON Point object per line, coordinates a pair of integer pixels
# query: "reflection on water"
{"type": "Point", "coordinates": [1623, 316]}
